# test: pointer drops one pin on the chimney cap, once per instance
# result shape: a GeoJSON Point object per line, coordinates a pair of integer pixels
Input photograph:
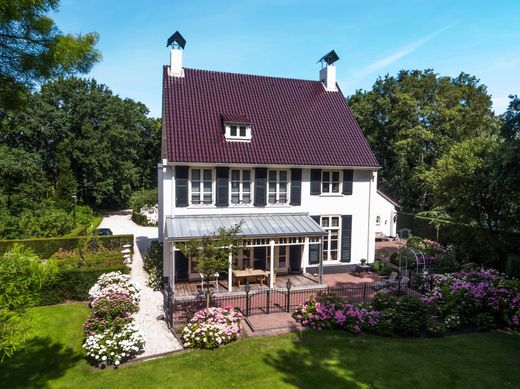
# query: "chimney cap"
{"type": "Point", "coordinates": [176, 38]}
{"type": "Point", "coordinates": [329, 58]}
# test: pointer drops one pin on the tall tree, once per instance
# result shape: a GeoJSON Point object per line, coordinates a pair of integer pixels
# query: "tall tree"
{"type": "Point", "coordinates": [411, 120]}
{"type": "Point", "coordinates": [89, 140]}
{"type": "Point", "coordinates": [33, 49]}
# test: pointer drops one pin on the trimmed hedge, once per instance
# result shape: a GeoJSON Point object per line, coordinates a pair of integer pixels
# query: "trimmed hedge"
{"type": "Point", "coordinates": [74, 284]}
{"type": "Point", "coordinates": [45, 247]}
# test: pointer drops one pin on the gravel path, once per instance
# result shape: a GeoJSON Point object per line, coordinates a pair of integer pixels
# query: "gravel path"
{"type": "Point", "coordinates": [158, 338]}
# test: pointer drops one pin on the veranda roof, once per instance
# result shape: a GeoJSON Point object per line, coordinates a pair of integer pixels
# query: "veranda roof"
{"type": "Point", "coordinates": [181, 228]}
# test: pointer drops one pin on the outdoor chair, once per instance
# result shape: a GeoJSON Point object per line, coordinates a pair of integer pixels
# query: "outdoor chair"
{"type": "Point", "coordinates": [388, 280]}
{"type": "Point", "coordinates": [216, 275]}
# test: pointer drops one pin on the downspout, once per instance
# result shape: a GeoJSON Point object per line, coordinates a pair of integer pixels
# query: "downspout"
{"type": "Point", "coordinates": [369, 214]}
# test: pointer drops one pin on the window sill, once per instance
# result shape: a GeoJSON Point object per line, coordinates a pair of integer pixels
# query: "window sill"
{"type": "Point", "coordinates": [331, 195]}
{"type": "Point", "coordinates": [287, 205]}
{"type": "Point", "coordinates": [201, 206]}
{"type": "Point", "coordinates": [240, 206]}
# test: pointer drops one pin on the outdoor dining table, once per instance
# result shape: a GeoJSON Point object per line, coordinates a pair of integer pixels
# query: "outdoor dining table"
{"type": "Point", "coordinates": [256, 274]}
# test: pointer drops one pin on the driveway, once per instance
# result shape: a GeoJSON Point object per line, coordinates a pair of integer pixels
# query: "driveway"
{"type": "Point", "coordinates": [159, 338]}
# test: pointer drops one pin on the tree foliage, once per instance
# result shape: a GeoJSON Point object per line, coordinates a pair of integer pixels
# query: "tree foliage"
{"type": "Point", "coordinates": [22, 275]}
{"type": "Point", "coordinates": [413, 119]}
{"type": "Point", "coordinates": [80, 139]}
{"type": "Point", "coordinates": [33, 49]}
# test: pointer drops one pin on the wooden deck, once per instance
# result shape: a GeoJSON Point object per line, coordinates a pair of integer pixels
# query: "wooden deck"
{"type": "Point", "coordinates": [299, 281]}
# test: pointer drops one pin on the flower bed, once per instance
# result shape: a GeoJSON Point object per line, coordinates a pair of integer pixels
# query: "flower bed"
{"type": "Point", "coordinates": [111, 336]}
{"type": "Point", "coordinates": [479, 299]}
{"type": "Point", "coordinates": [211, 328]}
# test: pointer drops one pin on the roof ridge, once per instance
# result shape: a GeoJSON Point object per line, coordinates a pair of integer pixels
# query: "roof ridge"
{"type": "Point", "coordinates": [251, 75]}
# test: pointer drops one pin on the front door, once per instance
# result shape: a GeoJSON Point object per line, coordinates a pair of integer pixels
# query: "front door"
{"type": "Point", "coordinates": [295, 258]}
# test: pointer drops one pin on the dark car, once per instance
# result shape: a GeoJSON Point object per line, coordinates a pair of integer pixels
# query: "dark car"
{"type": "Point", "coordinates": [103, 232]}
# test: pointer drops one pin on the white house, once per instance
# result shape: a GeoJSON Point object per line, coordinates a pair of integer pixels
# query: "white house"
{"type": "Point", "coordinates": [286, 156]}
{"type": "Point", "coordinates": [385, 210]}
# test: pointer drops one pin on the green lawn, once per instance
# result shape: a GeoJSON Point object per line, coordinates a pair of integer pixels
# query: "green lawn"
{"type": "Point", "coordinates": [328, 359]}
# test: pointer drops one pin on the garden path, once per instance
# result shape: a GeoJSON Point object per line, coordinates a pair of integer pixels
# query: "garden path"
{"type": "Point", "coordinates": [159, 339]}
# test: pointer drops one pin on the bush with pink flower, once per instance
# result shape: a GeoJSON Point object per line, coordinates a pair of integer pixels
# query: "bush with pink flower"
{"type": "Point", "coordinates": [210, 328]}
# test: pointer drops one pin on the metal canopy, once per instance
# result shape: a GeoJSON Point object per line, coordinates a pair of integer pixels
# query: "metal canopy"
{"type": "Point", "coordinates": [182, 228]}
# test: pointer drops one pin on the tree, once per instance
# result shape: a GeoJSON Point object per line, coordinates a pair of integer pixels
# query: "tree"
{"type": "Point", "coordinates": [461, 181]}
{"type": "Point", "coordinates": [33, 49]}
{"type": "Point", "coordinates": [413, 119]}
{"type": "Point", "coordinates": [22, 275]}
{"type": "Point", "coordinates": [90, 141]}
{"type": "Point", "coordinates": [210, 255]}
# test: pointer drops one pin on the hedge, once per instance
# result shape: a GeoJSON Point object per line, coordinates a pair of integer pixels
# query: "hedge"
{"type": "Point", "coordinates": [74, 284]}
{"type": "Point", "coordinates": [84, 229]}
{"type": "Point", "coordinates": [45, 247]}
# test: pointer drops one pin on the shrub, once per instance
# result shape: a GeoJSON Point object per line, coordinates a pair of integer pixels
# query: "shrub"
{"type": "Point", "coordinates": [114, 345]}
{"type": "Point", "coordinates": [211, 328]}
{"type": "Point", "coordinates": [153, 264]}
{"type": "Point", "coordinates": [45, 222]}
{"type": "Point", "coordinates": [120, 280]}
{"type": "Point", "coordinates": [74, 284]}
{"type": "Point", "coordinates": [96, 324]}
{"type": "Point", "coordinates": [73, 259]}
{"type": "Point", "coordinates": [114, 302]}
{"type": "Point", "coordinates": [144, 207]}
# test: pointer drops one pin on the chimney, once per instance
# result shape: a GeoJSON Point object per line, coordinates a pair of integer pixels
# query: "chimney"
{"type": "Point", "coordinates": [328, 73]}
{"type": "Point", "coordinates": [177, 43]}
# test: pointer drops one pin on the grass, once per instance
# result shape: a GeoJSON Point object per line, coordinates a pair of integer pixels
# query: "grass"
{"type": "Point", "coordinates": [328, 359]}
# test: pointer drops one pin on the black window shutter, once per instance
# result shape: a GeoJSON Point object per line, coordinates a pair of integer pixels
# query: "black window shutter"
{"type": "Point", "coordinates": [222, 195]}
{"type": "Point", "coordinates": [181, 186]}
{"type": "Point", "coordinates": [260, 187]}
{"type": "Point", "coordinates": [314, 254]}
{"type": "Point", "coordinates": [348, 177]}
{"type": "Point", "coordinates": [346, 238]}
{"type": "Point", "coordinates": [315, 181]}
{"type": "Point", "coordinates": [296, 186]}
{"type": "Point", "coordinates": [314, 249]}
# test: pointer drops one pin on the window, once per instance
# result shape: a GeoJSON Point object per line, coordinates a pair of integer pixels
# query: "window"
{"type": "Point", "coordinates": [331, 241]}
{"type": "Point", "coordinates": [330, 182]}
{"type": "Point", "coordinates": [282, 258]}
{"type": "Point", "coordinates": [278, 187]}
{"type": "Point", "coordinates": [240, 187]}
{"type": "Point", "coordinates": [378, 220]}
{"type": "Point", "coordinates": [238, 132]}
{"type": "Point", "coordinates": [202, 186]}
{"type": "Point", "coordinates": [242, 260]}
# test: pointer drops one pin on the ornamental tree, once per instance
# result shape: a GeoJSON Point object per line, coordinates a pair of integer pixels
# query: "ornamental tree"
{"type": "Point", "coordinates": [210, 255]}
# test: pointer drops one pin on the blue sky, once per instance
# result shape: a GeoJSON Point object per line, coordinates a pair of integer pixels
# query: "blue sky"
{"type": "Point", "coordinates": [286, 37]}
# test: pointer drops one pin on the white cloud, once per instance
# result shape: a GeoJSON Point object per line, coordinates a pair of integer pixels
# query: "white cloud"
{"type": "Point", "coordinates": [385, 62]}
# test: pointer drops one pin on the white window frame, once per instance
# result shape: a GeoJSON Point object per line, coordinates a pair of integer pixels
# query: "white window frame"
{"type": "Point", "coordinates": [201, 187]}
{"type": "Point", "coordinates": [330, 183]}
{"type": "Point", "coordinates": [277, 187]}
{"type": "Point", "coordinates": [327, 238]}
{"type": "Point", "coordinates": [241, 188]}
{"type": "Point", "coordinates": [237, 137]}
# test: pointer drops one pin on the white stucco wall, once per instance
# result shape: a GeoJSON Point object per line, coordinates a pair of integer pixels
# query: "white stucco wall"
{"type": "Point", "coordinates": [386, 210]}
{"type": "Point", "coordinates": [357, 205]}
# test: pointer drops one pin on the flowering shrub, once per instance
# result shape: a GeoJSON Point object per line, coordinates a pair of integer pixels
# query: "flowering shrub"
{"type": "Point", "coordinates": [151, 213]}
{"type": "Point", "coordinates": [388, 315]}
{"type": "Point", "coordinates": [483, 299]}
{"type": "Point", "coordinates": [114, 346]}
{"type": "Point", "coordinates": [213, 328]}
{"type": "Point", "coordinates": [114, 280]}
{"type": "Point", "coordinates": [111, 336]}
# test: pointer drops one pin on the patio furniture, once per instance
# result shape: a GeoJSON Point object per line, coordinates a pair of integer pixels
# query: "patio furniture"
{"type": "Point", "coordinates": [216, 275]}
{"type": "Point", "coordinates": [383, 284]}
{"type": "Point", "coordinates": [257, 275]}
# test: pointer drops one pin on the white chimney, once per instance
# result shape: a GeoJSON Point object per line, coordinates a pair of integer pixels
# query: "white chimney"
{"type": "Point", "coordinates": [328, 73]}
{"type": "Point", "coordinates": [177, 43]}
{"type": "Point", "coordinates": [176, 62]}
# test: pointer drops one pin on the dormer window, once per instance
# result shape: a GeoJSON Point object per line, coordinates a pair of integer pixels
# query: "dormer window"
{"type": "Point", "coordinates": [238, 132]}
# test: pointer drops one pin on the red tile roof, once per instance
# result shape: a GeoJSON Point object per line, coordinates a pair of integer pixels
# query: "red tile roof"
{"type": "Point", "coordinates": [293, 122]}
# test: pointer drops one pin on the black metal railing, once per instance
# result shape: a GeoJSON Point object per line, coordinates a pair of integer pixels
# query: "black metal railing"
{"type": "Point", "coordinates": [266, 301]}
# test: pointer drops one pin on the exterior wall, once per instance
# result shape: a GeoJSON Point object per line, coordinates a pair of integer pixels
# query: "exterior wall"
{"type": "Point", "coordinates": [359, 205]}
{"type": "Point", "coordinates": [387, 212]}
